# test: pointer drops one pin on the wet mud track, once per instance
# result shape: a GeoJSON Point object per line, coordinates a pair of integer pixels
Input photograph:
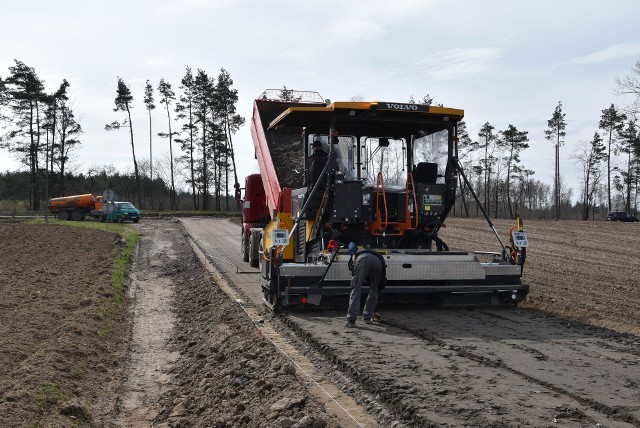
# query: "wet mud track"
{"type": "Point", "coordinates": [458, 367]}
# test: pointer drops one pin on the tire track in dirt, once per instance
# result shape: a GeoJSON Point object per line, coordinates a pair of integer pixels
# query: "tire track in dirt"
{"type": "Point", "coordinates": [148, 372]}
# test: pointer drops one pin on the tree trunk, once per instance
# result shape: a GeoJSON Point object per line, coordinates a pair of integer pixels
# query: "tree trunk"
{"type": "Point", "coordinates": [63, 140]}
{"type": "Point", "coordinates": [463, 200]}
{"type": "Point", "coordinates": [628, 202]}
{"type": "Point", "coordinates": [205, 176]}
{"type": "Point", "coordinates": [191, 161]}
{"type": "Point", "coordinates": [609, 170]}
{"type": "Point", "coordinates": [135, 162]}
{"type": "Point", "coordinates": [151, 158]}
{"type": "Point", "coordinates": [33, 162]}
{"type": "Point", "coordinates": [172, 194]}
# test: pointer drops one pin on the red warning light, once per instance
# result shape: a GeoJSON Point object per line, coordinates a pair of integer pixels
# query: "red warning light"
{"type": "Point", "coordinates": [303, 300]}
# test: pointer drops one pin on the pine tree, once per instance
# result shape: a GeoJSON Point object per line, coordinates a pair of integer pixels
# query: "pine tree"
{"type": "Point", "coordinates": [227, 97]}
{"type": "Point", "coordinates": [184, 110]}
{"type": "Point", "coordinates": [148, 102]}
{"type": "Point", "coordinates": [166, 97]}
{"type": "Point", "coordinates": [68, 130]}
{"type": "Point", "coordinates": [25, 93]}
{"type": "Point", "coordinates": [488, 143]}
{"type": "Point", "coordinates": [203, 103]}
{"type": "Point", "coordinates": [611, 122]}
{"type": "Point", "coordinates": [123, 102]}
{"type": "Point", "coordinates": [556, 133]}
{"type": "Point", "coordinates": [513, 141]}
{"type": "Point", "coordinates": [288, 95]}
{"type": "Point", "coordinates": [629, 143]}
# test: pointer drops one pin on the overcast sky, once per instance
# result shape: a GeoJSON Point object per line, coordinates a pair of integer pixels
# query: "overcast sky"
{"type": "Point", "coordinates": [506, 62]}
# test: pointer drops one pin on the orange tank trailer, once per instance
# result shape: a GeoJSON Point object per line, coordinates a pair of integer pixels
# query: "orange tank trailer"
{"type": "Point", "coordinates": [75, 207]}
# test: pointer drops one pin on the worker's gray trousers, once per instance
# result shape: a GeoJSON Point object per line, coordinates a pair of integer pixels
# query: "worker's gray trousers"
{"type": "Point", "coordinates": [367, 268]}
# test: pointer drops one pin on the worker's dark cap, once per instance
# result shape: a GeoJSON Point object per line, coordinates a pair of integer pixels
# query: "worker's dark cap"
{"type": "Point", "coordinates": [316, 143]}
{"type": "Point", "coordinates": [352, 248]}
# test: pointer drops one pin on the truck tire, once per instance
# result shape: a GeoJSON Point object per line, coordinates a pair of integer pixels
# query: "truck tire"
{"type": "Point", "coordinates": [254, 242]}
{"type": "Point", "coordinates": [261, 256]}
{"type": "Point", "coordinates": [76, 215]}
{"type": "Point", "coordinates": [136, 220]}
{"type": "Point", "coordinates": [63, 215]}
{"type": "Point", "coordinates": [244, 247]}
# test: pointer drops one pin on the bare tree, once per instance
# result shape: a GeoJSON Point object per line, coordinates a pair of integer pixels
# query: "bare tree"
{"type": "Point", "coordinates": [589, 155]}
{"type": "Point", "coordinates": [630, 85]}
{"type": "Point", "coordinates": [466, 149]}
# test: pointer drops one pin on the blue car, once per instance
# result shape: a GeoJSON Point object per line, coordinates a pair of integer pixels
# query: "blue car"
{"type": "Point", "coordinates": [621, 216]}
{"type": "Point", "coordinates": [120, 212]}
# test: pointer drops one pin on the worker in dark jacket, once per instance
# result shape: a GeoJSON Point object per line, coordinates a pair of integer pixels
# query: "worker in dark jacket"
{"type": "Point", "coordinates": [366, 266]}
{"type": "Point", "coordinates": [318, 151]}
{"type": "Point", "coordinates": [314, 168]}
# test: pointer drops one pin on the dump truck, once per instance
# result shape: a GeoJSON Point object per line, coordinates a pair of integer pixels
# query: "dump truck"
{"type": "Point", "coordinates": [78, 207]}
{"type": "Point", "coordinates": [388, 182]}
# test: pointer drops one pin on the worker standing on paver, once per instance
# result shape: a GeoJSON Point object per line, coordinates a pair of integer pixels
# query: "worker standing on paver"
{"type": "Point", "coordinates": [366, 266]}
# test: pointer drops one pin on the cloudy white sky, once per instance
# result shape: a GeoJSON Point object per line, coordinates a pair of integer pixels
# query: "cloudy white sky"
{"type": "Point", "coordinates": [506, 62]}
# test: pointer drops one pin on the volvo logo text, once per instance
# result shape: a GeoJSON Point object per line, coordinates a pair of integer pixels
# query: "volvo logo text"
{"type": "Point", "coordinates": [402, 106]}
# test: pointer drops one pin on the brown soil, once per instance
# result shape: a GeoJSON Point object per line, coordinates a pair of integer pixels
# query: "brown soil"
{"type": "Point", "coordinates": [72, 356]}
{"type": "Point", "coordinates": [63, 334]}
{"type": "Point", "coordinates": [587, 271]}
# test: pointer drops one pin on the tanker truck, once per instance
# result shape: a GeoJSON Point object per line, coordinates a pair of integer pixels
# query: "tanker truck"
{"type": "Point", "coordinates": [388, 181]}
{"type": "Point", "coordinates": [78, 207]}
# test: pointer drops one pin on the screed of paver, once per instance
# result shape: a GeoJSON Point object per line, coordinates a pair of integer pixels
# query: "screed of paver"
{"type": "Point", "coordinates": [153, 323]}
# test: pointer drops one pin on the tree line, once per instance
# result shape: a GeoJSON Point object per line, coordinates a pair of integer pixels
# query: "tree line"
{"type": "Point", "coordinates": [40, 129]}
{"type": "Point", "coordinates": [201, 120]}
{"type": "Point", "coordinates": [609, 163]}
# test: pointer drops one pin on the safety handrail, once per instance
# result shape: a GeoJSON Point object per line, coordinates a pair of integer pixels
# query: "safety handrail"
{"type": "Point", "coordinates": [380, 184]}
{"type": "Point", "coordinates": [415, 202]}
